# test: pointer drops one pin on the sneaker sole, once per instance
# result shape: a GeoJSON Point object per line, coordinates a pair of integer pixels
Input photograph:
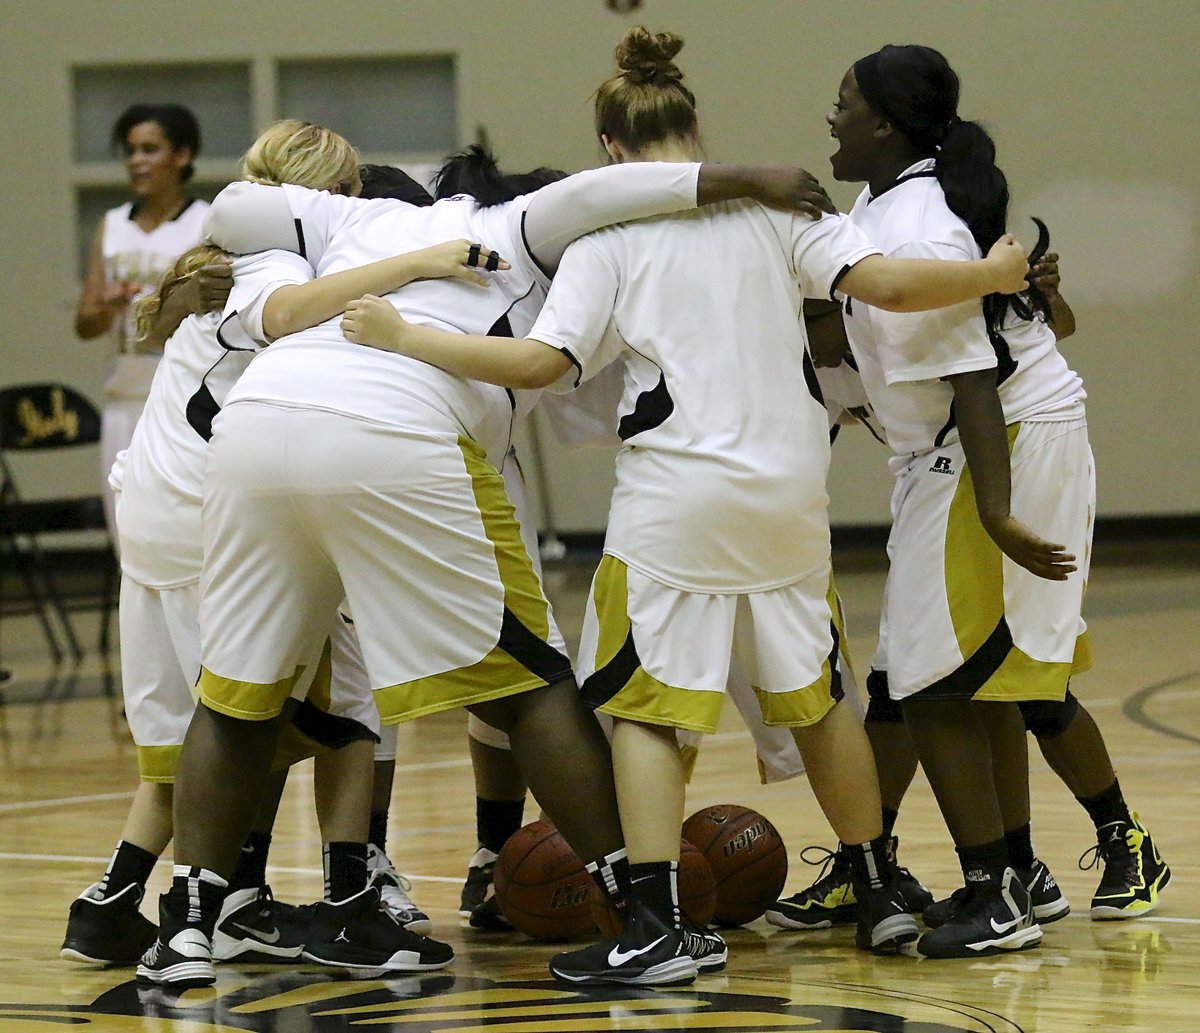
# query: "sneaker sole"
{"type": "Point", "coordinates": [675, 972]}
{"type": "Point", "coordinates": [1047, 913]}
{"type": "Point", "coordinates": [893, 933]}
{"type": "Point", "coordinates": [781, 920]}
{"type": "Point", "coordinates": [1110, 913]}
{"type": "Point", "coordinates": [186, 975]}
{"type": "Point", "coordinates": [80, 957]}
{"type": "Point", "coordinates": [713, 963]}
{"type": "Point", "coordinates": [1021, 939]}
{"type": "Point", "coordinates": [401, 961]}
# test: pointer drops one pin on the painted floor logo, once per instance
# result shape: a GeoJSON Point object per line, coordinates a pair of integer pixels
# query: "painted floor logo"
{"type": "Point", "coordinates": [321, 1002]}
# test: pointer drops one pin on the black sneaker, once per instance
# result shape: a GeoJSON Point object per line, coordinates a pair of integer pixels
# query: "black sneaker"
{"type": "Point", "coordinates": [107, 930]}
{"type": "Point", "coordinates": [1049, 903]}
{"type": "Point", "coordinates": [394, 891]}
{"type": "Point", "coordinates": [989, 918]}
{"type": "Point", "coordinates": [827, 902]}
{"type": "Point", "coordinates": [253, 923]}
{"type": "Point", "coordinates": [179, 959]}
{"type": "Point", "coordinates": [1134, 872]}
{"type": "Point", "coordinates": [705, 946]}
{"type": "Point", "coordinates": [884, 922]}
{"type": "Point", "coordinates": [478, 902]}
{"type": "Point", "coordinates": [360, 932]}
{"type": "Point", "coordinates": [916, 897]}
{"type": "Point", "coordinates": [647, 953]}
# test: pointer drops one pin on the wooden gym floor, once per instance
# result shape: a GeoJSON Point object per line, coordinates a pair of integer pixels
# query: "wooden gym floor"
{"type": "Point", "coordinates": [68, 771]}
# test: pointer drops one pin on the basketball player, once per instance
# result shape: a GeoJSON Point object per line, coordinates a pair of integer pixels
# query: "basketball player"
{"type": "Point", "coordinates": [134, 245]}
{"type": "Point", "coordinates": [159, 485]}
{"type": "Point", "coordinates": [718, 534]}
{"type": "Point", "coordinates": [965, 396]}
{"type": "Point", "coordinates": [411, 519]}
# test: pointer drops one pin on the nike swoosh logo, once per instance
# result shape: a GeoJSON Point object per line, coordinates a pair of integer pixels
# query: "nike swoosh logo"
{"type": "Point", "coordinates": [258, 934]}
{"type": "Point", "coordinates": [1004, 927]}
{"type": "Point", "coordinates": [191, 943]}
{"type": "Point", "coordinates": [616, 956]}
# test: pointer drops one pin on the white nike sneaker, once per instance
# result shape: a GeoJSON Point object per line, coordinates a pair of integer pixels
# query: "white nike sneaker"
{"type": "Point", "coordinates": [253, 923]}
{"type": "Point", "coordinates": [181, 962]}
{"type": "Point", "coordinates": [647, 953]}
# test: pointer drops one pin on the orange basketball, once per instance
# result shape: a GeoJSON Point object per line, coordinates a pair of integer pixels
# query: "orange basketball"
{"type": "Point", "coordinates": [747, 858]}
{"type": "Point", "coordinates": [542, 886]}
{"type": "Point", "coordinates": [697, 893]}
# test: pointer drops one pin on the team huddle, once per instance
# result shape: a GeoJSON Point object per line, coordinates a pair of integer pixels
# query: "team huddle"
{"type": "Point", "coordinates": [323, 533]}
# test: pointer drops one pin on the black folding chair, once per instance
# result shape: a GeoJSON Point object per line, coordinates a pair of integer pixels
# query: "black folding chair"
{"type": "Point", "coordinates": [39, 418]}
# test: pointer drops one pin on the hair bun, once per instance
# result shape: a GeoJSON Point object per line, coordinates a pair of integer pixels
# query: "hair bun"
{"type": "Point", "coordinates": [645, 57]}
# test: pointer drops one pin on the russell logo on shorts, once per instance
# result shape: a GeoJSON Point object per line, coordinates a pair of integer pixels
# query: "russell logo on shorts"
{"type": "Point", "coordinates": [942, 465]}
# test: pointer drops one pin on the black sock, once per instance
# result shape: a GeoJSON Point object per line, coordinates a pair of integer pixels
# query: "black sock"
{"type": "Point", "coordinates": [345, 870]}
{"type": "Point", "coordinates": [870, 864]}
{"type": "Point", "coordinates": [889, 820]}
{"type": "Point", "coordinates": [130, 866]}
{"type": "Point", "coordinates": [1020, 847]}
{"type": "Point", "coordinates": [1106, 807]}
{"type": "Point", "coordinates": [194, 899]}
{"type": "Point", "coordinates": [496, 820]}
{"type": "Point", "coordinates": [611, 874]}
{"type": "Point", "coordinates": [251, 867]}
{"type": "Point", "coordinates": [983, 863]}
{"type": "Point", "coordinates": [377, 836]}
{"type": "Point", "coordinates": [655, 884]}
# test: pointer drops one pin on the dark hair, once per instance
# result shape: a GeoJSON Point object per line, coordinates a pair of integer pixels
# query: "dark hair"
{"type": "Point", "coordinates": [389, 181]}
{"type": "Point", "coordinates": [917, 91]}
{"type": "Point", "coordinates": [474, 172]}
{"type": "Point", "coordinates": [178, 125]}
{"type": "Point", "coordinates": [646, 100]}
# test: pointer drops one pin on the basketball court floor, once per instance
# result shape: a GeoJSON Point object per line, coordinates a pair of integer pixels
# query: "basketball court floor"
{"type": "Point", "coordinates": [67, 767]}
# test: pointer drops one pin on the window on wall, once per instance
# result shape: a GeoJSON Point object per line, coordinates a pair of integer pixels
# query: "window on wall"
{"type": "Point", "coordinates": [399, 110]}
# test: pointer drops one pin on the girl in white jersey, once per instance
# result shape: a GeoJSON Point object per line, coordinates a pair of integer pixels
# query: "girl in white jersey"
{"type": "Point", "coordinates": [966, 396]}
{"type": "Point", "coordinates": [383, 492]}
{"type": "Point", "coordinates": [133, 246]}
{"type": "Point", "coordinates": [718, 535]}
{"type": "Point", "coordinates": [159, 487]}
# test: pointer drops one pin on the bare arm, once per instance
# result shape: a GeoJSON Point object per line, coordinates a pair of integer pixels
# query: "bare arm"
{"type": "Point", "coordinates": [509, 362]}
{"type": "Point", "coordinates": [296, 307]}
{"type": "Point", "coordinates": [207, 291]}
{"type": "Point", "coordinates": [777, 186]}
{"type": "Point", "coordinates": [1044, 275]}
{"type": "Point", "coordinates": [984, 440]}
{"type": "Point", "coordinates": [100, 302]}
{"type": "Point", "coordinates": [917, 284]}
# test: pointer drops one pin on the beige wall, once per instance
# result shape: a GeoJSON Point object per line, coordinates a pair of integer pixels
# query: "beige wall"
{"type": "Point", "coordinates": [1092, 104]}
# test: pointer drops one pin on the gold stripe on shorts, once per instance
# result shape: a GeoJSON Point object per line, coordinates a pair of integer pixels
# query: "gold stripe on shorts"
{"type": "Point", "coordinates": [158, 763]}
{"type": "Point", "coordinates": [522, 659]}
{"type": "Point", "coordinates": [247, 700]}
{"type": "Point", "coordinates": [994, 669]}
{"type": "Point", "coordinates": [799, 708]}
{"type": "Point", "coordinates": [620, 686]}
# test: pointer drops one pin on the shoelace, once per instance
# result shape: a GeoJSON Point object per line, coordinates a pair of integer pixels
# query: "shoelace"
{"type": "Point", "coordinates": [1114, 849]}
{"type": "Point", "coordinates": [826, 858]}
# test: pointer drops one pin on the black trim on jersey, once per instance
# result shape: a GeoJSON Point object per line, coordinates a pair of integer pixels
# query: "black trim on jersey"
{"type": "Point", "coordinates": [977, 669]}
{"type": "Point", "coordinates": [834, 431]}
{"type": "Point", "coordinates": [224, 341]}
{"type": "Point", "coordinates": [652, 409]}
{"type": "Point", "coordinates": [136, 207]}
{"type": "Point", "coordinates": [810, 378]}
{"type": "Point", "coordinates": [610, 679]}
{"type": "Point", "coordinates": [531, 652]}
{"type": "Point", "coordinates": [300, 238]}
{"type": "Point", "coordinates": [330, 730]}
{"type": "Point", "coordinates": [849, 359]}
{"type": "Point", "coordinates": [863, 414]}
{"type": "Point", "coordinates": [924, 174]}
{"type": "Point", "coordinates": [529, 251]}
{"type": "Point", "coordinates": [1006, 365]}
{"type": "Point", "coordinates": [202, 409]}
{"type": "Point", "coordinates": [939, 439]}
{"type": "Point", "coordinates": [576, 363]}
{"type": "Point", "coordinates": [838, 279]}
